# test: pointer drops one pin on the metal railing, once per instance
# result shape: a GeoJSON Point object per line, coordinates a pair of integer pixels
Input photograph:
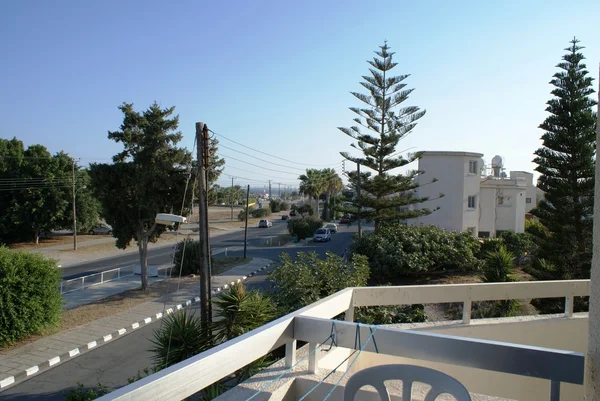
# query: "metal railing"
{"type": "Point", "coordinates": [314, 323]}
{"type": "Point", "coordinates": [90, 280]}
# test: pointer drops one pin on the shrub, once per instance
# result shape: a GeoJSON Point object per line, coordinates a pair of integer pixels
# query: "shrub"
{"type": "Point", "coordinates": [398, 250]}
{"type": "Point", "coordinates": [191, 258]}
{"type": "Point", "coordinates": [258, 213]}
{"type": "Point", "coordinates": [275, 205]}
{"type": "Point", "coordinates": [519, 244]}
{"type": "Point", "coordinates": [30, 299]}
{"type": "Point", "coordinates": [498, 268]}
{"type": "Point", "coordinates": [390, 314]}
{"type": "Point", "coordinates": [489, 245]}
{"type": "Point", "coordinates": [305, 227]}
{"type": "Point", "coordinates": [242, 214]}
{"type": "Point", "coordinates": [308, 278]}
{"type": "Point", "coordinates": [285, 206]}
{"type": "Point", "coordinates": [81, 393]}
{"type": "Point", "coordinates": [306, 209]}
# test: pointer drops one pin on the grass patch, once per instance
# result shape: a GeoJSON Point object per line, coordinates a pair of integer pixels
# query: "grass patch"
{"type": "Point", "coordinates": [222, 264]}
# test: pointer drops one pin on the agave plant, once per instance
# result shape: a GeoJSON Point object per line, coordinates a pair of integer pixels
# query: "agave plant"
{"type": "Point", "coordinates": [179, 337]}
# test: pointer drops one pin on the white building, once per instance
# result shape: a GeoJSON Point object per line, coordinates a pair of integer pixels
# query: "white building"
{"type": "Point", "coordinates": [463, 197]}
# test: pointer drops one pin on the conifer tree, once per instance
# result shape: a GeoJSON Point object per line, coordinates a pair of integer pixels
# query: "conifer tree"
{"type": "Point", "coordinates": [385, 195]}
{"type": "Point", "coordinates": [566, 166]}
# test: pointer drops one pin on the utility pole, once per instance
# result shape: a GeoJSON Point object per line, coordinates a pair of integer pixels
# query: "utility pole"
{"type": "Point", "coordinates": [279, 190]}
{"type": "Point", "coordinates": [202, 139]}
{"type": "Point", "coordinates": [231, 198]}
{"type": "Point", "coordinates": [358, 195]}
{"type": "Point", "coordinates": [246, 225]}
{"type": "Point", "coordinates": [74, 208]}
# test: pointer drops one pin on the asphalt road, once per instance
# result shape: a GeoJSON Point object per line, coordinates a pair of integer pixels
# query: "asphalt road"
{"type": "Point", "coordinates": [113, 363]}
{"type": "Point", "coordinates": [164, 254]}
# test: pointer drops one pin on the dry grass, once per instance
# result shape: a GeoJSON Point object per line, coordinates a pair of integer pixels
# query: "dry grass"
{"type": "Point", "coordinates": [222, 264]}
{"type": "Point", "coordinates": [53, 241]}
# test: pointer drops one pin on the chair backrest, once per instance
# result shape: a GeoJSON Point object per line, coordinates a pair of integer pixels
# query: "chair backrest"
{"type": "Point", "coordinates": [375, 376]}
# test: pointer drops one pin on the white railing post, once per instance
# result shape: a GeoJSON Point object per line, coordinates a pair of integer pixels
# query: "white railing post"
{"type": "Point", "coordinates": [118, 273]}
{"type": "Point", "coordinates": [102, 278]}
{"type": "Point", "coordinates": [569, 306]}
{"type": "Point", "coordinates": [313, 357]}
{"type": "Point", "coordinates": [83, 282]}
{"type": "Point", "coordinates": [467, 312]}
{"type": "Point", "coordinates": [290, 353]}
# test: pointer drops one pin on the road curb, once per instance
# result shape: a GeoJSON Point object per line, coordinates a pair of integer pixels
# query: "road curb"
{"type": "Point", "coordinates": [75, 352]}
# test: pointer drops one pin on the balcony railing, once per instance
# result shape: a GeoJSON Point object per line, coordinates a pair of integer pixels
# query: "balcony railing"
{"type": "Point", "coordinates": [314, 323]}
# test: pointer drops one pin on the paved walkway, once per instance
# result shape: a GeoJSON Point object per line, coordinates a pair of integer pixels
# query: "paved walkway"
{"type": "Point", "coordinates": [19, 363]}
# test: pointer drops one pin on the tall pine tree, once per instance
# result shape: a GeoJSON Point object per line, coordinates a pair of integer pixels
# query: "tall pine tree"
{"type": "Point", "coordinates": [566, 167]}
{"type": "Point", "coordinates": [385, 196]}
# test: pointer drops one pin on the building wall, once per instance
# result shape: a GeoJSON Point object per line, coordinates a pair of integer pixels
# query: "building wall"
{"type": "Point", "coordinates": [451, 170]}
{"type": "Point", "coordinates": [531, 191]}
{"type": "Point", "coordinates": [487, 211]}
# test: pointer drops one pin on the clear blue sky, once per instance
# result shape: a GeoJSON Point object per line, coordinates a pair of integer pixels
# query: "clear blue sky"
{"type": "Point", "coordinates": [276, 75]}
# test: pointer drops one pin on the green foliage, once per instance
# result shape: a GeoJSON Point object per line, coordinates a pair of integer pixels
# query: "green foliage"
{"type": "Point", "coordinates": [308, 278]}
{"type": "Point", "coordinates": [304, 227]}
{"type": "Point", "coordinates": [213, 391]}
{"type": "Point", "coordinates": [80, 393]}
{"type": "Point", "coordinates": [259, 213]}
{"type": "Point", "coordinates": [285, 206]}
{"type": "Point", "coordinates": [498, 267]}
{"type": "Point", "coordinates": [519, 244]}
{"type": "Point", "coordinates": [148, 177]}
{"type": "Point", "coordinates": [399, 250]}
{"type": "Point", "coordinates": [180, 336]}
{"type": "Point", "coordinates": [390, 314]}
{"type": "Point", "coordinates": [304, 210]}
{"type": "Point", "coordinates": [566, 166]}
{"type": "Point", "coordinates": [30, 299]}
{"type": "Point", "coordinates": [385, 195]}
{"type": "Point", "coordinates": [36, 192]}
{"type": "Point", "coordinates": [242, 214]}
{"type": "Point", "coordinates": [141, 374]}
{"type": "Point", "coordinates": [187, 255]}
{"type": "Point", "coordinates": [275, 205]}
{"type": "Point", "coordinates": [240, 311]}
{"type": "Point", "coordinates": [489, 245]}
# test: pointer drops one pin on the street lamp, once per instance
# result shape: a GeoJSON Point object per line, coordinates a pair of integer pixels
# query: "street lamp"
{"type": "Point", "coordinates": [75, 217]}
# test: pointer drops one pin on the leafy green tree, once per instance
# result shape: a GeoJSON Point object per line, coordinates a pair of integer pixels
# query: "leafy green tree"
{"type": "Point", "coordinates": [148, 177]}
{"type": "Point", "coordinates": [566, 166]}
{"type": "Point", "coordinates": [305, 227]}
{"type": "Point", "coordinates": [385, 196]}
{"type": "Point", "coordinates": [332, 185]}
{"type": "Point", "coordinates": [312, 184]}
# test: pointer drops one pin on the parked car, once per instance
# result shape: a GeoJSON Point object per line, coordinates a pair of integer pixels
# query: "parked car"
{"type": "Point", "coordinates": [101, 229]}
{"type": "Point", "coordinates": [332, 227]}
{"type": "Point", "coordinates": [284, 217]}
{"type": "Point", "coordinates": [293, 213]}
{"type": "Point", "coordinates": [322, 235]}
{"type": "Point", "coordinates": [265, 224]}
{"type": "Point", "coordinates": [345, 220]}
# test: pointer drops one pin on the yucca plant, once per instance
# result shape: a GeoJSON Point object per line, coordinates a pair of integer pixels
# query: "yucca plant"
{"type": "Point", "coordinates": [179, 337]}
{"type": "Point", "coordinates": [498, 268]}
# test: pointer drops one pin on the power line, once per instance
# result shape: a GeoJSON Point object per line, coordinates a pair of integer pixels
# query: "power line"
{"type": "Point", "coordinates": [255, 165]}
{"type": "Point", "coordinates": [262, 160]}
{"type": "Point", "coordinates": [268, 154]}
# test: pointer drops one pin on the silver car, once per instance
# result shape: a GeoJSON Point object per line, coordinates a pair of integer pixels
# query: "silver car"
{"type": "Point", "coordinates": [265, 224]}
{"type": "Point", "coordinates": [322, 235]}
{"type": "Point", "coordinates": [101, 229]}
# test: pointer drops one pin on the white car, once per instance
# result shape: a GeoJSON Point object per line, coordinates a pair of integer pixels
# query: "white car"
{"type": "Point", "coordinates": [101, 229]}
{"type": "Point", "coordinates": [332, 227]}
{"type": "Point", "coordinates": [265, 224]}
{"type": "Point", "coordinates": [322, 235]}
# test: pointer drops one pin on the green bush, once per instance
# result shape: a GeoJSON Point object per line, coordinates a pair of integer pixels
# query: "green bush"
{"type": "Point", "coordinates": [305, 227]}
{"type": "Point", "coordinates": [308, 278]}
{"type": "Point", "coordinates": [191, 258]}
{"type": "Point", "coordinates": [275, 205]}
{"type": "Point", "coordinates": [519, 244]}
{"type": "Point", "coordinates": [285, 206]}
{"type": "Point", "coordinates": [390, 314]}
{"type": "Point", "coordinates": [398, 250]}
{"type": "Point", "coordinates": [259, 213]}
{"type": "Point", "coordinates": [489, 245]}
{"type": "Point", "coordinates": [30, 299]}
{"type": "Point", "coordinates": [81, 393]}
{"type": "Point", "coordinates": [242, 214]}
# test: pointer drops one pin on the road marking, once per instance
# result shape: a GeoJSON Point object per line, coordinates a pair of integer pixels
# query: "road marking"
{"type": "Point", "coordinates": [107, 338]}
{"type": "Point", "coordinates": [91, 344]}
{"type": "Point", "coordinates": [32, 370]}
{"type": "Point", "coordinates": [122, 331]}
{"type": "Point", "coordinates": [54, 361]}
{"type": "Point", "coordinates": [147, 320]}
{"type": "Point", "coordinates": [159, 315]}
{"type": "Point", "coordinates": [135, 325]}
{"type": "Point", "coordinates": [7, 382]}
{"type": "Point", "coordinates": [74, 352]}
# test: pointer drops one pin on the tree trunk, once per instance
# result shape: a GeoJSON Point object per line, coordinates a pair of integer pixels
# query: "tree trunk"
{"type": "Point", "coordinates": [36, 236]}
{"type": "Point", "coordinates": [143, 250]}
{"type": "Point", "coordinates": [327, 210]}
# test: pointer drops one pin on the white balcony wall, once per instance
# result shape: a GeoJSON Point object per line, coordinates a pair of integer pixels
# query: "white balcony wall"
{"type": "Point", "coordinates": [549, 332]}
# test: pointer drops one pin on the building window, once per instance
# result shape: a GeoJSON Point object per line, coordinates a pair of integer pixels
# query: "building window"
{"type": "Point", "coordinates": [527, 200]}
{"type": "Point", "coordinates": [472, 166]}
{"type": "Point", "coordinates": [484, 234]}
{"type": "Point", "coordinates": [471, 202]}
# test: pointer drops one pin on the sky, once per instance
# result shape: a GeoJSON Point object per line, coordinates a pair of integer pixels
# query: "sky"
{"type": "Point", "coordinates": [276, 76]}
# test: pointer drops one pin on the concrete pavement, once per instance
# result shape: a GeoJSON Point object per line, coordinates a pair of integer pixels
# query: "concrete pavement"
{"type": "Point", "coordinates": [18, 364]}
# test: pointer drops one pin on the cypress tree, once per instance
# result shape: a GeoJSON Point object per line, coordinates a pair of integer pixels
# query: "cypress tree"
{"type": "Point", "coordinates": [385, 196]}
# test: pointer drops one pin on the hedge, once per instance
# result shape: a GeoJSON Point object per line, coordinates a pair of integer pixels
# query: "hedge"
{"type": "Point", "coordinates": [305, 227]}
{"type": "Point", "coordinates": [258, 213]}
{"type": "Point", "coordinates": [30, 299]}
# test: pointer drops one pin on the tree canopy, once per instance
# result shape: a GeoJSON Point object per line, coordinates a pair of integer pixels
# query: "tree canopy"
{"type": "Point", "coordinates": [385, 196]}
{"type": "Point", "coordinates": [147, 177]}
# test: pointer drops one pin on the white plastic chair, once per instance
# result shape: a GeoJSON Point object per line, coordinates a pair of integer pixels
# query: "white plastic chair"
{"type": "Point", "coordinates": [375, 376]}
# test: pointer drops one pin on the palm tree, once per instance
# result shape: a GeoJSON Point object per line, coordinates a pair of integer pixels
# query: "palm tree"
{"type": "Point", "coordinates": [312, 184]}
{"type": "Point", "coordinates": [332, 184]}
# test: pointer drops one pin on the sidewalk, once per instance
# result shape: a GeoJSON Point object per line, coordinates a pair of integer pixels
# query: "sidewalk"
{"type": "Point", "coordinates": [19, 363]}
